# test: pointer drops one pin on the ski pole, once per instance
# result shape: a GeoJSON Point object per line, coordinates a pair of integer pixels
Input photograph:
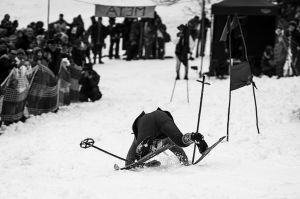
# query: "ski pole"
{"type": "Point", "coordinates": [187, 91]}
{"type": "Point", "coordinates": [199, 113]}
{"type": "Point", "coordinates": [173, 90]}
{"type": "Point", "coordinates": [89, 142]}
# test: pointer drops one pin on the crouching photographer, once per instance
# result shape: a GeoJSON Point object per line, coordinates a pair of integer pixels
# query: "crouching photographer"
{"type": "Point", "coordinates": [89, 84]}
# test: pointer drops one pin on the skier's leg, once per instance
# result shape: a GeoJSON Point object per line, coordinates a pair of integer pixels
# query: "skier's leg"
{"type": "Point", "coordinates": [180, 154]}
{"type": "Point", "coordinates": [178, 63]}
{"type": "Point", "coordinates": [177, 151]}
{"type": "Point", "coordinates": [186, 71]}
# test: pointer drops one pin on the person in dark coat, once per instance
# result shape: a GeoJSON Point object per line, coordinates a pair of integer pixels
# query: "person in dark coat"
{"type": "Point", "coordinates": [267, 62]}
{"type": "Point", "coordinates": [294, 44]}
{"type": "Point", "coordinates": [98, 33]}
{"type": "Point", "coordinates": [6, 23]}
{"type": "Point", "coordinates": [76, 29]}
{"type": "Point", "coordinates": [89, 81]}
{"type": "Point", "coordinates": [7, 62]}
{"type": "Point", "coordinates": [159, 126]}
{"type": "Point", "coordinates": [149, 37]}
{"type": "Point", "coordinates": [55, 55]}
{"type": "Point", "coordinates": [125, 33]}
{"type": "Point", "coordinates": [78, 52]}
{"type": "Point", "coordinates": [162, 38]}
{"type": "Point", "coordinates": [280, 52]}
{"type": "Point", "coordinates": [61, 20]}
{"type": "Point", "coordinates": [114, 31]}
{"type": "Point", "coordinates": [193, 25]}
{"type": "Point", "coordinates": [22, 40]}
{"type": "Point", "coordinates": [182, 50]}
{"type": "Point", "coordinates": [134, 37]}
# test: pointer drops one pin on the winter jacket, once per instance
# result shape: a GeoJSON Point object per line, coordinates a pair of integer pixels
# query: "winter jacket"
{"type": "Point", "coordinates": [90, 89]}
{"type": "Point", "coordinates": [134, 35]}
{"type": "Point", "coordinates": [280, 52]}
{"type": "Point", "coordinates": [98, 33]}
{"type": "Point", "coordinates": [182, 47]}
{"type": "Point", "coordinates": [114, 31]}
{"type": "Point", "coordinates": [155, 125]}
{"type": "Point", "coordinates": [5, 67]}
{"type": "Point", "coordinates": [294, 42]}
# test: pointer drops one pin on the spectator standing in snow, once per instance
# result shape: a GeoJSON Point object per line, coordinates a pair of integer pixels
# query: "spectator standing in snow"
{"type": "Point", "coordinates": [98, 33]}
{"type": "Point", "coordinates": [193, 25]}
{"type": "Point", "coordinates": [134, 36]}
{"type": "Point", "coordinates": [151, 128]}
{"type": "Point", "coordinates": [294, 45]}
{"type": "Point", "coordinates": [280, 52]}
{"type": "Point", "coordinates": [162, 38]}
{"type": "Point", "coordinates": [114, 31]}
{"type": "Point", "coordinates": [182, 50]}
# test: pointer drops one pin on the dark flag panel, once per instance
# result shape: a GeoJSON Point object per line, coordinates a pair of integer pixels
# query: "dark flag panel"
{"type": "Point", "coordinates": [240, 75]}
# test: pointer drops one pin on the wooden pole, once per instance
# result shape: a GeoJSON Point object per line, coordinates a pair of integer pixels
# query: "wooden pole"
{"type": "Point", "coordinates": [246, 56]}
{"type": "Point", "coordinates": [199, 114]}
{"type": "Point", "coordinates": [48, 14]}
{"type": "Point", "coordinates": [202, 36]}
{"type": "Point", "coordinates": [230, 65]}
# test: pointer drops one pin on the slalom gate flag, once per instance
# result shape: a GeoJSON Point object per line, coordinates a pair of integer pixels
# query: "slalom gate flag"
{"type": "Point", "coordinates": [15, 95]}
{"type": "Point", "coordinates": [75, 87]}
{"type": "Point", "coordinates": [42, 96]}
{"type": "Point", "coordinates": [233, 25]}
{"type": "Point", "coordinates": [240, 75]}
{"type": "Point", "coordinates": [64, 84]}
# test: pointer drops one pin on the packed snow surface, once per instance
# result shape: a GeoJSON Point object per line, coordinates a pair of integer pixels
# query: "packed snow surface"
{"type": "Point", "coordinates": [41, 158]}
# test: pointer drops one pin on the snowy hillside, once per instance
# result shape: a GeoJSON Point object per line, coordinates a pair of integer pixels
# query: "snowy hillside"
{"type": "Point", "coordinates": [41, 158]}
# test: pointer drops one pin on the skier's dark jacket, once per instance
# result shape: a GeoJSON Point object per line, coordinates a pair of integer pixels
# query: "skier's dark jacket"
{"type": "Point", "coordinates": [158, 124]}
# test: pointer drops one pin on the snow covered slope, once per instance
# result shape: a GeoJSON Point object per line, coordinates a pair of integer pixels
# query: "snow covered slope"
{"type": "Point", "coordinates": [42, 158]}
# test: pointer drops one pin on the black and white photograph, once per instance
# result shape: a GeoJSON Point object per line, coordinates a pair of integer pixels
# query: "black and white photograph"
{"type": "Point", "coordinates": [167, 99]}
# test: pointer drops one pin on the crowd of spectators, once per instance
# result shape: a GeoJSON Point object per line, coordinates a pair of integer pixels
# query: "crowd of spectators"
{"type": "Point", "coordinates": [283, 59]}
{"type": "Point", "coordinates": [142, 39]}
{"type": "Point", "coordinates": [62, 47]}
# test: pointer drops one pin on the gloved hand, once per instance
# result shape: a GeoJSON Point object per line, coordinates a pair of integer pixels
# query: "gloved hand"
{"type": "Point", "coordinates": [199, 141]}
{"type": "Point", "coordinates": [196, 137]}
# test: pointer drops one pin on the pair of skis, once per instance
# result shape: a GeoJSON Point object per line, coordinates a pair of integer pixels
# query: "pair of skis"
{"type": "Point", "coordinates": [89, 142]}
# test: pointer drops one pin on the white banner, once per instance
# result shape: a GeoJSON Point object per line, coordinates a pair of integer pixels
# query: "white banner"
{"type": "Point", "coordinates": [125, 11]}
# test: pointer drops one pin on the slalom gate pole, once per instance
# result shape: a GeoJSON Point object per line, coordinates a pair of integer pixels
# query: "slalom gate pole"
{"type": "Point", "coordinates": [89, 142]}
{"type": "Point", "coordinates": [201, 66]}
{"type": "Point", "coordinates": [230, 66]}
{"type": "Point", "coordinates": [255, 109]}
{"type": "Point", "coordinates": [173, 90]}
{"type": "Point", "coordinates": [199, 113]}
{"type": "Point", "coordinates": [246, 55]}
{"type": "Point", "coordinates": [202, 36]}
